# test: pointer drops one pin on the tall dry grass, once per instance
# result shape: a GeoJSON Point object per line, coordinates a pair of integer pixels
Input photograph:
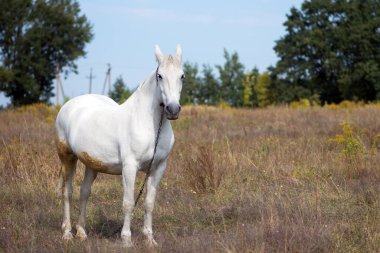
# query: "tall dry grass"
{"type": "Point", "coordinates": [262, 180]}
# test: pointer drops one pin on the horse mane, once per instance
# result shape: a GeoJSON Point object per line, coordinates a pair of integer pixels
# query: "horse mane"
{"type": "Point", "coordinates": [172, 60]}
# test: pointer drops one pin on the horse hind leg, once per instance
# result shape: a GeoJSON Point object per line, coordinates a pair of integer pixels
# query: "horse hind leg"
{"type": "Point", "coordinates": [85, 191]}
{"type": "Point", "coordinates": [69, 161]}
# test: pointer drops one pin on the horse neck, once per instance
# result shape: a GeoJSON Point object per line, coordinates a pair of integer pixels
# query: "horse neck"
{"type": "Point", "coordinates": [147, 99]}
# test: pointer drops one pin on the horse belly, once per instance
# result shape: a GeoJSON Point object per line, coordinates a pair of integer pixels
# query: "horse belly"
{"type": "Point", "coordinates": [100, 152]}
{"type": "Point", "coordinates": [100, 164]}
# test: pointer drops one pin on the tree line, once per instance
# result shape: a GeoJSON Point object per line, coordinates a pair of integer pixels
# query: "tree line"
{"type": "Point", "coordinates": [233, 85]}
{"type": "Point", "coordinates": [330, 52]}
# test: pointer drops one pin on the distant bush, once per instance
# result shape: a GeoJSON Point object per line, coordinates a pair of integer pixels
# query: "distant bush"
{"type": "Point", "coordinates": [376, 143]}
{"type": "Point", "coordinates": [347, 104]}
{"type": "Point", "coordinates": [40, 110]}
{"type": "Point", "coordinates": [302, 103]}
{"type": "Point", "coordinates": [223, 104]}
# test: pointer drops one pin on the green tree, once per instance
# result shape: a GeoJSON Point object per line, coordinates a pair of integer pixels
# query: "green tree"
{"type": "Point", "coordinates": [209, 90]}
{"type": "Point", "coordinates": [35, 38]}
{"type": "Point", "coordinates": [120, 91]}
{"type": "Point", "coordinates": [191, 84]}
{"type": "Point", "coordinates": [262, 89]}
{"type": "Point", "coordinates": [231, 78]}
{"type": "Point", "coordinates": [331, 51]}
{"type": "Point", "coordinates": [249, 94]}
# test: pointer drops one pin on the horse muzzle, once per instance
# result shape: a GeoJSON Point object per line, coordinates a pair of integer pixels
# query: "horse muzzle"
{"type": "Point", "coordinates": [172, 110]}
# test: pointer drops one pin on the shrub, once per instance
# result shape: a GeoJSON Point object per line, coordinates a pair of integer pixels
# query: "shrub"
{"type": "Point", "coordinates": [302, 103]}
{"type": "Point", "coordinates": [205, 173]}
{"type": "Point", "coordinates": [350, 142]}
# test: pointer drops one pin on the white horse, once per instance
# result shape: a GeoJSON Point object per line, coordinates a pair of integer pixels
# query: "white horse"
{"type": "Point", "coordinates": [120, 140]}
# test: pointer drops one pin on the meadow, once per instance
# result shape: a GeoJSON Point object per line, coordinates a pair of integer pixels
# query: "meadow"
{"type": "Point", "coordinates": [277, 179]}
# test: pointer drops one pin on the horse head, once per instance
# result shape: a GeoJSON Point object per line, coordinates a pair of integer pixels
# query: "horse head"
{"type": "Point", "coordinates": [169, 76]}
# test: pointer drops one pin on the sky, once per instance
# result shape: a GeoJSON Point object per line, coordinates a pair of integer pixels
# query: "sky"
{"type": "Point", "coordinates": [126, 31]}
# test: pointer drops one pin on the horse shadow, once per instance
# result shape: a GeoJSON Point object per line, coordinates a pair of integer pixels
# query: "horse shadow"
{"type": "Point", "coordinates": [110, 228]}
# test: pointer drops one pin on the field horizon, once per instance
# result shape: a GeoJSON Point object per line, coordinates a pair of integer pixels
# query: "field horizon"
{"type": "Point", "coordinates": [276, 179]}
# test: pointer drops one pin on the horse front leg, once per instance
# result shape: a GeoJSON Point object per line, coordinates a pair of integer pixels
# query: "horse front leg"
{"type": "Point", "coordinates": [152, 185]}
{"type": "Point", "coordinates": [129, 177]}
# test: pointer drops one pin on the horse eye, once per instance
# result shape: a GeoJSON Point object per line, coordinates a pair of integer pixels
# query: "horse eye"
{"type": "Point", "coordinates": [159, 76]}
{"type": "Point", "coordinates": [182, 77]}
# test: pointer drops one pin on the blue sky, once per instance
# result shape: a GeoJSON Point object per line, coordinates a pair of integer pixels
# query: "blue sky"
{"type": "Point", "coordinates": [126, 32]}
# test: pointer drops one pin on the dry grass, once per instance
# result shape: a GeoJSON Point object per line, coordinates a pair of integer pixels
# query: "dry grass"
{"type": "Point", "coordinates": [263, 180]}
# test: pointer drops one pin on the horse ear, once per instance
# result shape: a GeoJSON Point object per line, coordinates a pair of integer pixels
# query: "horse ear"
{"type": "Point", "coordinates": [159, 55]}
{"type": "Point", "coordinates": [178, 52]}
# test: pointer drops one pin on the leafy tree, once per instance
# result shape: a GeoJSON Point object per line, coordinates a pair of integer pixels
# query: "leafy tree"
{"type": "Point", "coordinates": [36, 36]}
{"type": "Point", "coordinates": [331, 50]}
{"type": "Point", "coordinates": [231, 78]}
{"type": "Point", "coordinates": [261, 89]}
{"type": "Point", "coordinates": [120, 91]}
{"type": "Point", "coordinates": [209, 89]}
{"type": "Point", "coordinates": [191, 84]}
{"type": "Point", "coordinates": [249, 94]}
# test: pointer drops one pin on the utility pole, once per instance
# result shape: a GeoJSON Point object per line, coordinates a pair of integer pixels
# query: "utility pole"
{"type": "Point", "coordinates": [90, 77]}
{"type": "Point", "coordinates": [59, 86]}
{"type": "Point", "coordinates": [107, 81]}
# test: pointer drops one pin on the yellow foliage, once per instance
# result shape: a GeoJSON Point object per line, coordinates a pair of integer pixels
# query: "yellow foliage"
{"type": "Point", "coordinates": [376, 143]}
{"type": "Point", "coordinates": [40, 110]}
{"type": "Point", "coordinates": [261, 89]}
{"type": "Point", "coordinates": [247, 94]}
{"type": "Point", "coordinates": [347, 104]}
{"type": "Point", "coordinates": [302, 103]}
{"type": "Point", "coordinates": [332, 106]}
{"type": "Point", "coordinates": [350, 143]}
{"type": "Point", "coordinates": [223, 105]}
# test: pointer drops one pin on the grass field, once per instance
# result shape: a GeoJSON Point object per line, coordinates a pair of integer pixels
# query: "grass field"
{"type": "Point", "coordinates": [264, 180]}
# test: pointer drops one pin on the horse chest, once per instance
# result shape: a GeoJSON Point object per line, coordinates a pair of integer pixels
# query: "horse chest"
{"type": "Point", "coordinates": [143, 149]}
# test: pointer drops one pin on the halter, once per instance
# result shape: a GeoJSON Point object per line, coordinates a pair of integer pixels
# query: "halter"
{"type": "Point", "coordinates": [157, 74]}
{"type": "Point", "coordinates": [155, 146]}
{"type": "Point", "coordinates": [162, 103]}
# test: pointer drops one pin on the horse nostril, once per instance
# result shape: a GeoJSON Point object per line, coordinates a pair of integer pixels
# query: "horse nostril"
{"type": "Point", "coordinates": [173, 108]}
{"type": "Point", "coordinates": [168, 109]}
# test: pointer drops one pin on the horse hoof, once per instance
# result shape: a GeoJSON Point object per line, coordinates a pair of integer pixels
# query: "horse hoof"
{"type": "Point", "coordinates": [151, 243]}
{"type": "Point", "coordinates": [67, 235]}
{"type": "Point", "coordinates": [127, 241]}
{"type": "Point", "coordinates": [81, 234]}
